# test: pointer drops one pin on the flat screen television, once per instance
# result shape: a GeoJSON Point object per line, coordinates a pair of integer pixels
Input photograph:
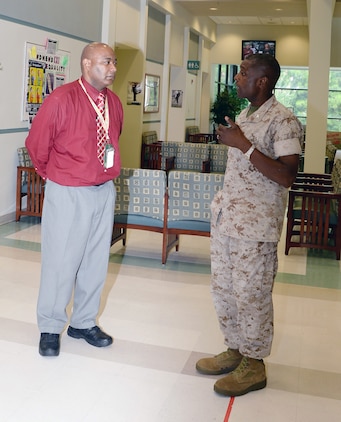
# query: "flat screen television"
{"type": "Point", "coordinates": [258, 46]}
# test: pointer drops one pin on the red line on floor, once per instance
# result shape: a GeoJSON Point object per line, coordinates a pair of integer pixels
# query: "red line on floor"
{"type": "Point", "coordinates": [229, 409]}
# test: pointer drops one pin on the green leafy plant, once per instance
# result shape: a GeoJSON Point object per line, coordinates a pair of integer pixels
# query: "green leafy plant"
{"type": "Point", "coordinates": [227, 103]}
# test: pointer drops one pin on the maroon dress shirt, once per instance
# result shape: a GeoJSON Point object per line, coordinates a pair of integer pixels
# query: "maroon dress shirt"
{"type": "Point", "coordinates": [62, 141]}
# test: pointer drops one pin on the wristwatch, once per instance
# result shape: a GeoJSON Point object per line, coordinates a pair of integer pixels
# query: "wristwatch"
{"type": "Point", "coordinates": [249, 152]}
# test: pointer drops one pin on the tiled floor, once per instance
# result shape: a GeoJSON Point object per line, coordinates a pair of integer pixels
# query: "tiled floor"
{"type": "Point", "coordinates": [163, 320]}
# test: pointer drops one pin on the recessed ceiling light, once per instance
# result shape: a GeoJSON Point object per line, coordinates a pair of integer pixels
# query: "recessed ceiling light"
{"type": "Point", "coordinates": [213, 8]}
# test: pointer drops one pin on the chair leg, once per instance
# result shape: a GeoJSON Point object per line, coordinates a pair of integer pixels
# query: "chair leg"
{"type": "Point", "coordinates": [168, 242]}
{"type": "Point", "coordinates": [118, 233]}
{"type": "Point", "coordinates": [288, 238]}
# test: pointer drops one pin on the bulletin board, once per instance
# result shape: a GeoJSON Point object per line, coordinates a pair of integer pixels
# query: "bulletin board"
{"type": "Point", "coordinates": [46, 68]}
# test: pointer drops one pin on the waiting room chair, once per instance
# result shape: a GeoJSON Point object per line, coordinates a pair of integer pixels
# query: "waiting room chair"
{"type": "Point", "coordinates": [185, 156]}
{"type": "Point", "coordinates": [193, 135]}
{"type": "Point", "coordinates": [150, 151]}
{"type": "Point", "coordinates": [142, 203]}
{"type": "Point", "coordinates": [30, 187]}
{"type": "Point", "coordinates": [314, 212]}
{"type": "Point", "coordinates": [190, 195]}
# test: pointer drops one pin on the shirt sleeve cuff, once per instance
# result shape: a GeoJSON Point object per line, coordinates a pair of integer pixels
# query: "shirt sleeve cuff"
{"type": "Point", "coordinates": [288, 147]}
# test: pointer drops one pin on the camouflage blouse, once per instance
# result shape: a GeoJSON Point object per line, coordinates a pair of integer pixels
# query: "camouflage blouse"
{"type": "Point", "coordinates": [250, 206]}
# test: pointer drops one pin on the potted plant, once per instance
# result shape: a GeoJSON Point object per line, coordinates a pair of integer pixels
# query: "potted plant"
{"type": "Point", "coordinates": [227, 103]}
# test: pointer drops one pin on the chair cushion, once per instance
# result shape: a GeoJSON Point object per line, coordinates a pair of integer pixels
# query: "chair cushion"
{"type": "Point", "coordinates": [218, 154]}
{"type": "Point", "coordinates": [191, 156]}
{"type": "Point", "coordinates": [188, 156]}
{"type": "Point", "coordinates": [139, 220]}
{"type": "Point", "coordinates": [190, 197]}
{"type": "Point", "coordinates": [202, 226]}
{"type": "Point", "coordinates": [140, 192]}
{"type": "Point", "coordinates": [336, 176]}
{"type": "Point", "coordinates": [191, 130]}
{"type": "Point", "coordinates": [149, 137]}
{"type": "Point", "coordinates": [24, 158]}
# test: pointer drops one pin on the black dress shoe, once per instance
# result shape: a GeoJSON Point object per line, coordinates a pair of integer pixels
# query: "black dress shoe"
{"type": "Point", "coordinates": [49, 344]}
{"type": "Point", "coordinates": [94, 336]}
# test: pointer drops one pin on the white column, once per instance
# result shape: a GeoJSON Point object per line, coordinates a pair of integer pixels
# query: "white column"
{"type": "Point", "coordinates": [320, 13]}
{"type": "Point", "coordinates": [109, 22]}
{"type": "Point", "coordinates": [165, 88]}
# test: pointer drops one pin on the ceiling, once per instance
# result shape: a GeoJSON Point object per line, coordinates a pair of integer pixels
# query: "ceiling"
{"type": "Point", "coordinates": [248, 12]}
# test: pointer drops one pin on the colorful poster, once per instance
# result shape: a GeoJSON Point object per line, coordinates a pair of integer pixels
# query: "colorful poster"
{"type": "Point", "coordinates": [46, 68]}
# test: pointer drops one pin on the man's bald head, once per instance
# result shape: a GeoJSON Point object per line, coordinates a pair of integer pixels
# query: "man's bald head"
{"type": "Point", "coordinates": [98, 65]}
{"type": "Point", "coordinates": [91, 50]}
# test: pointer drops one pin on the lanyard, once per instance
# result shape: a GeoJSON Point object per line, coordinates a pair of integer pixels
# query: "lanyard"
{"type": "Point", "coordinates": [104, 120]}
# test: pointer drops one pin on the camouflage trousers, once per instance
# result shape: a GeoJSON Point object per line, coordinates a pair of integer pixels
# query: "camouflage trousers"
{"type": "Point", "coordinates": [243, 274]}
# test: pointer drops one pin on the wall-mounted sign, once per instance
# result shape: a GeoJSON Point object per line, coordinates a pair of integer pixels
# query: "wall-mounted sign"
{"type": "Point", "coordinates": [193, 64]}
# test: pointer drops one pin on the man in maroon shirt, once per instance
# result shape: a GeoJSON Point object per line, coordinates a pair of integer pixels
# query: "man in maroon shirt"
{"type": "Point", "coordinates": [79, 198]}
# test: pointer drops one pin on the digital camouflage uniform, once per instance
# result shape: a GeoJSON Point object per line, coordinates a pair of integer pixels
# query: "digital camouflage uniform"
{"type": "Point", "coordinates": [247, 221]}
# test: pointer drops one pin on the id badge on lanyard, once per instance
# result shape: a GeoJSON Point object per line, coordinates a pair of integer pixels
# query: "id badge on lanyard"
{"type": "Point", "coordinates": [109, 152]}
{"type": "Point", "coordinates": [109, 155]}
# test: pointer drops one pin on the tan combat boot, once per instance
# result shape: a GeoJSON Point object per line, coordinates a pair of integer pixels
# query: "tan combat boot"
{"type": "Point", "coordinates": [249, 376]}
{"type": "Point", "coordinates": [223, 363]}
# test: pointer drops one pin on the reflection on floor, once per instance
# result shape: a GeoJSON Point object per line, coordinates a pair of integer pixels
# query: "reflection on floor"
{"type": "Point", "coordinates": [162, 319]}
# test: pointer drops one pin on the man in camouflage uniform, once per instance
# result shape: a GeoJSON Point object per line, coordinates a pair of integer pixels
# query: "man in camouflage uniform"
{"type": "Point", "coordinates": [247, 220]}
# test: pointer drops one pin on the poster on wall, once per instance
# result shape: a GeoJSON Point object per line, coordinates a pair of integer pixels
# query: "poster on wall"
{"type": "Point", "coordinates": [46, 68]}
{"type": "Point", "coordinates": [177, 95]}
{"type": "Point", "coordinates": [134, 89]}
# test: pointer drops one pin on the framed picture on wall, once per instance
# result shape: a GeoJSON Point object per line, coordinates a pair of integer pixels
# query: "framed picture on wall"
{"type": "Point", "coordinates": [258, 47]}
{"type": "Point", "coordinates": [177, 95]}
{"type": "Point", "coordinates": [151, 93]}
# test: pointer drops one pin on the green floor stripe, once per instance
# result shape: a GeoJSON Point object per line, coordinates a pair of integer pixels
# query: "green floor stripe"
{"type": "Point", "coordinates": [147, 262]}
{"type": "Point", "coordinates": [323, 270]}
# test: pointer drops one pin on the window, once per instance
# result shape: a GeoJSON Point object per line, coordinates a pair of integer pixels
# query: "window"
{"type": "Point", "coordinates": [223, 77]}
{"type": "Point", "coordinates": [334, 101]}
{"type": "Point", "coordinates": [292, 91]}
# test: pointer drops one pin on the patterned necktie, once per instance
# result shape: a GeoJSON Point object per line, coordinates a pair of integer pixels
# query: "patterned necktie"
{"type": "Point", "coordinates": [101, 134]}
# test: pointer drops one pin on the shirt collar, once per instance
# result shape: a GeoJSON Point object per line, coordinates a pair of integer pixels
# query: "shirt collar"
{"type": "Point", "coordinates": [93, 92]}
{"type": "Point", "coordinates": [263, 109]}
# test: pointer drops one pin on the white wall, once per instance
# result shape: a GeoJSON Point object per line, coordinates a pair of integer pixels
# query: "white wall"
{"type": "Point", "coordinates": [177, 41]}
{"type": "Point", "coordinates": [176, 115]}
{"type": "Point", "coordinates": [13, 130]}
{"type": "Point", "coordinates": [81, 19]}
{"type": "Point", "coordinates": [292, 43]}
{"type": "Point", "coordinates": [129, 69]}
{"type": "Point", "coordinates": [191, 103]}
{"type": "Point", "coordinates": [127, 24]}
{"type": "Point", "coordinates": [201, 25]}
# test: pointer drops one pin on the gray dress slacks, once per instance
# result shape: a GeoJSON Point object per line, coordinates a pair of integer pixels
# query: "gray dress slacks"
{"type": "Point", "coordinates": [77, 226]}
